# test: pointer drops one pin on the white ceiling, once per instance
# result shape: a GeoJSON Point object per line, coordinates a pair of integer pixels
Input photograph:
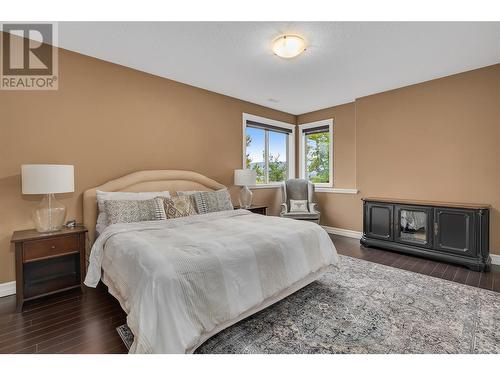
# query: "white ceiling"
{"type": "Point", "coordinates": [344, 60]}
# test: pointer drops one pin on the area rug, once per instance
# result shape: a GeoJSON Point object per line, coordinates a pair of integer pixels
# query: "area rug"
{"type": "Point", "coordinates": [364, 307]}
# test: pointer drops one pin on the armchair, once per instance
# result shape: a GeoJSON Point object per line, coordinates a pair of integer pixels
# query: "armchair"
{"type": "Point", "coordinates": [299, 189]}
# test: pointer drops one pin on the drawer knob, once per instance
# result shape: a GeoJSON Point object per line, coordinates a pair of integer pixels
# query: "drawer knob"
{"type": "Point", "coordinates": [53, 246]}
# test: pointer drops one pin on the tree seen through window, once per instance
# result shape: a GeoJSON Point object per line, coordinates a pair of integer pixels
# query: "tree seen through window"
{"type": "Point", "coordinates": [317, 155]}
{"type": "Point", "coordinates": [275, 168]}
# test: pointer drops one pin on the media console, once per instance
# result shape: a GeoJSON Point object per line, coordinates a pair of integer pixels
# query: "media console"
{"type": "Point", "coordinates": [450, 232]}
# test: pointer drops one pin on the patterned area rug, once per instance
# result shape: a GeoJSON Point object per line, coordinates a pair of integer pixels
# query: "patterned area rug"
{"type": "Point", "coordinates": [365, 307]}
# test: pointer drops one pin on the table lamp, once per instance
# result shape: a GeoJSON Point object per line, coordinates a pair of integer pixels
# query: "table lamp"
{"type": "Point", "coordinates": [244, 178]}
{"type": "Point", "coordinates": [48, 179]}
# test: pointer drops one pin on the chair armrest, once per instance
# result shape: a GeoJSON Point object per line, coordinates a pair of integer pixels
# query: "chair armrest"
{"type": "Point", "coordinates": [284, 208]}
{"type": "Point", "coordinates": [312, 208]}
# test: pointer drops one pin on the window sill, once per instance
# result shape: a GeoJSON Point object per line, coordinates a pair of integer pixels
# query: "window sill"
{"type": "Point", "coordinates": [335, 190]}
{"type": "Point", "coordinates": [318, 189]}
{"type": "Point", "coordinates": [265, 186]}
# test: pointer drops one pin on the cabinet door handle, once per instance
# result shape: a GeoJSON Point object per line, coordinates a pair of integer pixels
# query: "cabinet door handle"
{"type": "Point", "coordinates": [436, 228]}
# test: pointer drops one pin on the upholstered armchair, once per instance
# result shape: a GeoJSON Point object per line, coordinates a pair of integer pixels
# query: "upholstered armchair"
{"type": "Point", "coordinates": [301, 190]}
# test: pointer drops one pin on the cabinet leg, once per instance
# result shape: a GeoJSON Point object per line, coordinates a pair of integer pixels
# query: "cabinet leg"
{"type": "Point", "coordinates": [480, 267]}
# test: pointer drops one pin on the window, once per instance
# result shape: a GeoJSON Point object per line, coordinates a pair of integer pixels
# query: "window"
{"type": "Point", "coordinates": [316, 152]}
{"type": "Point", "coordinates": [268, 148]}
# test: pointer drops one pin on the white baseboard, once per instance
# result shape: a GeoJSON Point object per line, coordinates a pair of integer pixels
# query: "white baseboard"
{"type": "Point", "coordinates": [495, 259]}
{"type": "Point", "coordinates": [343, 232]}
{"type": "Point", "coordinates": [6, 289]}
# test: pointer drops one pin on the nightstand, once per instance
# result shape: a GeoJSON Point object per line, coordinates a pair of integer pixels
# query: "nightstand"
{"type": "Point", "coordinates": [257, 209]}
{"type": "Point", "coordinates": [48, 263]}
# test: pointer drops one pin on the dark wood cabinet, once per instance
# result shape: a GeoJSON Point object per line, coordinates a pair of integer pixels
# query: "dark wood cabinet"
{"type": "Point", "coordinates": [48, 263]}
{"type": "Point", "coordinates": [451, 232]}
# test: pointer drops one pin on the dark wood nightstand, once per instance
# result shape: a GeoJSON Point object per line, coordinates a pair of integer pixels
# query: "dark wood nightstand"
{"type": "Point", "coordinates": [257, 209]}
{"type": "Point", "coordinates": [48, 263]}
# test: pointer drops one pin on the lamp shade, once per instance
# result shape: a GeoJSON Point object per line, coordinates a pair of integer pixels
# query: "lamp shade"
{"type": "Point", "coordinates": [245, 177]}
{"type": "Point", "coordinates": [47, 178]}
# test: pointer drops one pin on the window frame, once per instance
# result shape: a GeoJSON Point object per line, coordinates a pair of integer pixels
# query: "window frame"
{"type": "Point", "coordinates": [302, 161]}
{"type": "Point", "coordinates": [290, 146]}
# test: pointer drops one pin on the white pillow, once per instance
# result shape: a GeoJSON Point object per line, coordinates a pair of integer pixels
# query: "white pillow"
{"type": "Point", "coordinates": [298, 205]}
{"type": "Point", "coordinates": [102, 219]}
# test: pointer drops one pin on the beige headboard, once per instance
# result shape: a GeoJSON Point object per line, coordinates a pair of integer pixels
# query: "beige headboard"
{"type": "Point", "coordinates": [160, 180]}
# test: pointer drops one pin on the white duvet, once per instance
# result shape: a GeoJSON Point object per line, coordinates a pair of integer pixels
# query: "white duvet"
{"type": "Point", "coordinates": [181, 279]}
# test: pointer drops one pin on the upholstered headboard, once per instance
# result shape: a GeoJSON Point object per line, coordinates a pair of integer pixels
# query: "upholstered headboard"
{"type": "Point", "coordinates": [159, 180]}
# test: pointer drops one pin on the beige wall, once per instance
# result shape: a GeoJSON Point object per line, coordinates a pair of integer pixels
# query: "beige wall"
{"type": "Point", "coordinates": [340, 210]}
{"type": "Point", "coordinates": [344, 134]}
{"type": "Point", "coordinates": [452, 129]}
{"type": "Point", "coordinates": [108, 121]}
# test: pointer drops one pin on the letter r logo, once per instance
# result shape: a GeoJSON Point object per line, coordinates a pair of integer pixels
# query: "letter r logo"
{"type": "Point", "coordinates": [27, 49]}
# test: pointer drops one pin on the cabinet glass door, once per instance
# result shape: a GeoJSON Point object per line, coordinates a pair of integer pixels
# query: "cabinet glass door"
{"type": "Point", "coordinates": [413, 225]}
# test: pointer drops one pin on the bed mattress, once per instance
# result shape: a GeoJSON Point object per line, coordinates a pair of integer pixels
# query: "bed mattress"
{"type": "Point", "coordinates": [181, 281]}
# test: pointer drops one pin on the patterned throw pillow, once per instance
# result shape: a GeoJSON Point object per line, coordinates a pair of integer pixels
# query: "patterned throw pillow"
{"type": "Point", "coordinates": [102, 196]}
{"type": "Point", "coordinates": [210, 201]}
{"type": "Point", "coordinates": [177, 207]}
{"type": "Point", "coordinates": [298, 205]}
{"type": "Point", "coordinates": [133, 211]}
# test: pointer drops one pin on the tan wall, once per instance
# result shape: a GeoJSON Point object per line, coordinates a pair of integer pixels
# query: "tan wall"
{"type": "Point", "coordinates": [344, 133]}
{"type": "Point", "coordinates": [340, 210]}
{"type": "Point", "coordinates": [452, 129]}
{"type": "Point", "coordinates": [108, 121]}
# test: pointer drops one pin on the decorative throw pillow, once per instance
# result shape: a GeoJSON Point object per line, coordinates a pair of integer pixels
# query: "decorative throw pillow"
{"type": "Point", "coordinates": [134, 211]}
{"type": "Point", "coordinates": [190, 195]}
{"type": "Point", "coordinates": [177, 207]}
{"type": "Point", "coordinates": [298, 205]}
{"type": "Point", "coordinates": [210, 201]}
{"type": "Point", "coordinates": [102, 196]}
{"type": "Point", "coordinates": [186, 193]}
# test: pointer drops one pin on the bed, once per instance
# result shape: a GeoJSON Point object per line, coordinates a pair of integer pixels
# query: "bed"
{"type": "Point", "coordinates": [183, 280]}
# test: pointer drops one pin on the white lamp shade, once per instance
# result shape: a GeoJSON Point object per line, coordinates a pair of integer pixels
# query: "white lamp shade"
{"type": "Point", "coordinates": [245, 177]}
{"type": "Point", "coordinates": [47, 178]}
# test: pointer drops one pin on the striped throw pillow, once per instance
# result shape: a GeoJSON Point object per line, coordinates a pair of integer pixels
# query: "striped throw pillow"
{"type": "Point", "coordinates": [210, 201]}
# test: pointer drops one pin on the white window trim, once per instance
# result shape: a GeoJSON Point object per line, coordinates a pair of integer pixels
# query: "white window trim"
{"type": "Point", "coordinates": [336, 190]}
{"type": "Point", "coordinates": [290, 146]}
{"type": "Point", "coordinates": [302, 166]}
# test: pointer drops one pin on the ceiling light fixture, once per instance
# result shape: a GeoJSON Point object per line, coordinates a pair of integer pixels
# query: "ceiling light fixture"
{"type": "Point", "coordinates": [289, 46]}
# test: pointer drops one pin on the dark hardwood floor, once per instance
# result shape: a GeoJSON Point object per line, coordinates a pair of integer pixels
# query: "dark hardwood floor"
{"type": "Point", "coordinates": [75, 322]}
{"type": "Point", "coordinates": [70, 322]}
{"type": "Point", "coordinates": [459, 274]}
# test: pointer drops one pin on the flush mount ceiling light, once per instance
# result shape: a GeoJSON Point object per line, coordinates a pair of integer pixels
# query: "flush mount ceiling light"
{"type": "Point", "coordinates": [289, 46]}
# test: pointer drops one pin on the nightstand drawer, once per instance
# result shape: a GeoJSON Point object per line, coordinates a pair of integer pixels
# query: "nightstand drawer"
{"type": "Point", "coordinates": [40, 249]}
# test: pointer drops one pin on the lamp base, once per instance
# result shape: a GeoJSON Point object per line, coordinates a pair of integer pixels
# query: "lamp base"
{"type": "Point", "coordinates": [246, 197]}
{"type": "Point", "coordinates": [50, 214]}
